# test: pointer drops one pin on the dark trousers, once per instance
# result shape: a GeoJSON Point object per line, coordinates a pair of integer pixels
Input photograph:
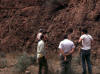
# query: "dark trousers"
{"type": "Point", "coordinates": [66, 65]}
{"type": "Point", "coordinates": [85, 56]}
{"type": "Point", "coordinates": [43, 65]}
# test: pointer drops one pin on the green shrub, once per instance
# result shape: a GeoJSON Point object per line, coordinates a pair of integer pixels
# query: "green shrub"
{"type": "Point", "coordinates": [2, 55]}
{"type": "Point", "coordinates": [3, 63]}
{"type": "Point", "coordinates": [23, 62]}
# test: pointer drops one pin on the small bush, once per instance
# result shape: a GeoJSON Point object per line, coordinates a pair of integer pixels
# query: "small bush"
{"type": "Point", "coordinates": [2, 55]}
{"type": "Point", "coordinates": [23, 62]}
{"type": "Point", "coordinates": [3, 63]}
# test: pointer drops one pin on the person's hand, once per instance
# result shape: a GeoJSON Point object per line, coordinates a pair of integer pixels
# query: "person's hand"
{"type": "Point", "coordinates": [65, 58]}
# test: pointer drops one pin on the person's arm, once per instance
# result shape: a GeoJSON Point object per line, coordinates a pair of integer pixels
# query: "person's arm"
{"type": "Point", "coordinates": [61, 51]}
{"type": "Point", "coordinates": [61, 48]}
{"type": "Point", "coordinates": [70, 52]}
{"type": "Point", "coordinates": [80, 40]}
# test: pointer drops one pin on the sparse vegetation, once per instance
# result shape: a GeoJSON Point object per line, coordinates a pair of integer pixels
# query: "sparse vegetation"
{"type": "Point", "coordinates": [23, 62]}
{"type": "Point", "coordinates": [2, 55]}
{"type": "Point", "coordinates": [3, 62]}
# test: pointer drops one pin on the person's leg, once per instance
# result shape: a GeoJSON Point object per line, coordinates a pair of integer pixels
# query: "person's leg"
{"type": "Point", "coordinates": [40, 69]}
{"type": "Point", "coordinates": [68, 68]}
{"type": "Point", "coordinates": [40, 66]}
{"type": "Point", "coordinates": [62, 65]}
{"type": "Point", "coordinates": [63, 71]}
{"type": "Point", "coordinates": [83, 62]}
{"type": "Point", "coordinates": [68, 64]}
{"type": "Point", "coordinates": [89, 63]}
{"type": "Point", "coordinates": [45, 66]}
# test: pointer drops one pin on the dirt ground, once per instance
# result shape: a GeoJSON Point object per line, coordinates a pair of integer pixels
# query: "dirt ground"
{"type": "Point", "coordinates": [53, 62]}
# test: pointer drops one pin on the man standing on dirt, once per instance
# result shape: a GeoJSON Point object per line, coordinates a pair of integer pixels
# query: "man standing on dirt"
{"type": "Point", "coordinates": [66, 48]}
{"type": "Point", "coordinates": [41, 55]}
{"type": "Point", "coordinates": [85, 50]}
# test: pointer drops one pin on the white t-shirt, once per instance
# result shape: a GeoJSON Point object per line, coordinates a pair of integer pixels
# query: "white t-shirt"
{"type": "Point", "coordinates": [86, 41]}
{"type": "Point", "coordinates": [40, 49]}
{"type": "Point", "coordinates": [66, 45]}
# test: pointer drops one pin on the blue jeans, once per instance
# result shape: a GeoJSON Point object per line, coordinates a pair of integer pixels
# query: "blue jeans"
{"type": "Point", "coordinates": [85, 56]}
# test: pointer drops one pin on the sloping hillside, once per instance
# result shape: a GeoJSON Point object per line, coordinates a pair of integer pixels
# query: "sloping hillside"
{"type": "Point", "coordinates": [20, 21]}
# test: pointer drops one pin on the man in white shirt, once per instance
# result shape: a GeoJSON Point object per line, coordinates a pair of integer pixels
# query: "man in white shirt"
{"type": "Point", "coordinates": [85, 50]}
{"type": "Point", "coordinates": [41, 55]}
{"type": "Point", "coordinates": [66, 48]}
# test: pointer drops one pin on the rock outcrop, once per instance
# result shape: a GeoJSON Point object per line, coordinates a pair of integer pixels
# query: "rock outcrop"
{"type": "Point", "coordinates": [20, 21]}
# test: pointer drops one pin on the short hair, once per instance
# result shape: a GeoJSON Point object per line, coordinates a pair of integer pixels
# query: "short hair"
{"type": "Point", "coordinates": [85, 31]}
{"type": "Point", "coordinates": [70, 30]}
{"type": "Point", "coordinates": [42, 36]}
{"type": "Point", "coordinates": [66, 36]}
